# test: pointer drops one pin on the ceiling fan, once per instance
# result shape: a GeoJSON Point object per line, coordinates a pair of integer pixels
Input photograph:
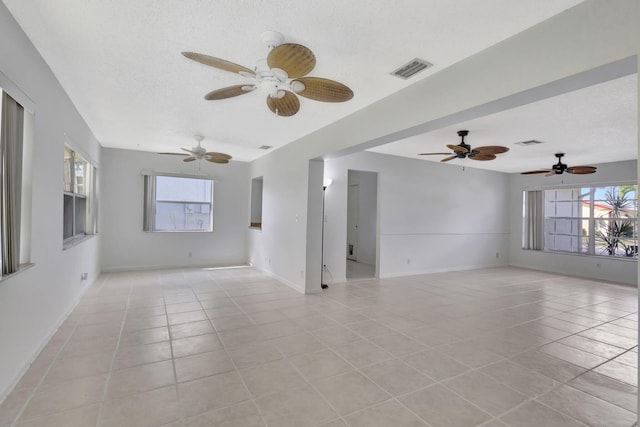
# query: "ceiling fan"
{"type": "Point", "coordinates": [464, 151]}
{"type": "Point", "coordinates": [200, 153]}
{"type": "Point", "coordinates": [559, 168]}
{"type": "Point", "coordinates": [280, 76]}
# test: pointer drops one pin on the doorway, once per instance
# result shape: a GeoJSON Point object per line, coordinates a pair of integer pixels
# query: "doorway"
{"type": "Point", "coordinates": [362, 219]}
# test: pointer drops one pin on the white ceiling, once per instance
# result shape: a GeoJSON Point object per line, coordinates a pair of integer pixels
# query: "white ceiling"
{"type": "Point", "coordinates": [598, 124]}
{"type": "Point", "coordinates": [120, 63]}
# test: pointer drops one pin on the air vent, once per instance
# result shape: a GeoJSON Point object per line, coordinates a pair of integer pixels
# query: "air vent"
{"type": "Point", "coordinates": [411, 68]}
{"type": "Point", "coordinates": [265, 147]}
{"type": "Point", "coordinates": [530, 142]}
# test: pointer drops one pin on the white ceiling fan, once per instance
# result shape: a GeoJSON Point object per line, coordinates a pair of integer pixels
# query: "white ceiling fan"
{"type": "Point", "coordinates": [200, 153]}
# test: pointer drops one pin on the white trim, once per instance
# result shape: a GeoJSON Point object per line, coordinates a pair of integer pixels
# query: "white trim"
{"type": "Point", "coordinates": [292, 285]}
{"type": "Point", "coordinates": [14, 91]}
{"type": "Point", "coordinates": [146, 172]}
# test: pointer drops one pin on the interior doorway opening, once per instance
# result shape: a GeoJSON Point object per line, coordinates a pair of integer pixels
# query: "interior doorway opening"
{"type": "Point", "coordinates": [362, 224]}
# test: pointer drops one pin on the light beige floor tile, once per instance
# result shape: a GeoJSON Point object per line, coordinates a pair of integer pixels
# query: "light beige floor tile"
{"type": "Point", "coordinates": [298, 407]}
{"type": "Point", "coordinates": [130, 356]}
{"type": "Point", "coordinates": [336, 335]}
{"type": "Point", "coordinates": [572, 355]}
{"type": "Point", "coordinates": [84, 347]}
{"type": "Point", "coordinates": [350, 392]}
{"type": "Point", "coordinates": [215, 392]}
{"type": "Point", "coordinates": [141, 378]}
{"type": "Point", "coordinates": [254, 354]}
{"type": "Point", "coordinates": [12, 405]}
{"type": "Point", "coordinates": [431, 336]}
{"type": "Point", "coordinates": [534, 414]}
{"type": "Point", "coordinates": [629, 358]}
{"type": "Point", "coordinates": [154, 407]}
{"type": "Point", "coordinates": [186, 317]}
{"type": "Point", "coordinates": [78, 367]}
{"type": "Point", "coordinates": [386, 414]}
{"type": "Point", "coordinates": [619, 371]}
{"type": "Point", "coordinates": [494, 423]}
{"type": "Point", "coordinates": [397, 344]}
{"type": "Point", "coordinates": [519, 378]}
{"type": "Point", "coordinates": [595, 347]}
{"type": "Point", "coordinates": [335, 423]}
{"type": "Point", "coordinates": [606, 388]}
{"type": "Point", "coordinates": [202, 365]}
{"type": "Point", "coordinates": [321, 364]}
{"type": "Point", "coordinates": [229, 323]}
{"type": "Point", "coordinates": [145, 336]}
{"type": "Point", "coordinates": [362, 353]}
{"type": "Point", "coordinates": [140, 323]}
{"type": "Point", "coordinates": [442, 408]}
{"type": "Point", "coordinates": [267, 317]}
{"type": "Point", "coordinates": [297, 344]}
{"type": "Point", "coordinates": [488, 394]}
{"type": "Point", "coordinates": [183, 307]}
{"type": "Point", "coordinates": [84, 416]}
{"type": "Point", "coordinates": [190, 329]}
{"type": "Point", "coordinates": [586, 408]}
{"type": "Point", "coordinates": [66, 395]}
{"type": "Point", "coordinates": [435, 364]}
{"type": "Point", "coordinates": [470, 354]}
{"type": "Point", "coordinates": [97, 330]}
{"type": "Point", "coordinates": [609, 338]}
{"type": "Point", "coordinates": [396, 377]}
{"type": "Point", "coordinates": [194, 345]}
{"type": "Point", "coordinates": [550, 366]}
{"type": "Point", "coordinates": [271, 377]}
{"type": "Point", "coordinates": [619, 330]}
{"type": "Point", "coordinates": [243, 414]}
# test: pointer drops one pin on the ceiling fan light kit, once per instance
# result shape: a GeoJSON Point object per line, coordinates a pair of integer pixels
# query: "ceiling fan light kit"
{"type": "Point", "coordinates": [560, 168]}
{"type": "Point", "coordinates": [280, 76]}
{"type": "Point", "coordinates": [464, 150]}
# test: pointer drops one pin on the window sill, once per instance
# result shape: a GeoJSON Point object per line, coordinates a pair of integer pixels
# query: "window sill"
{"type": "Point", "coordinates": [21, 268]}
{"type": "Point", "coordinates": [70, 243]}
{"type": "Point", "coordinates": [598, 257]}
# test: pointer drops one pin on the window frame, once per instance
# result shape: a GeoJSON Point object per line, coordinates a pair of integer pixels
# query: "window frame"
{"type": "Point", "coordinates": [89, 197]}
{"type": "Point", "coordinates": [586, 201]}
{"type": "Point", "coordinates": [150, 203]}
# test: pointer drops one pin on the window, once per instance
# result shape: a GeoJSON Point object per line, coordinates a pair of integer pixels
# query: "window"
{"type": "Point", "coordinates": [256, 203]}
{"type": "Point", "coordinates": [178, 203]}
{"type": "Point", "coordinates": [590, 220]}
{"type": "Point", "coordinates": [80, 217]}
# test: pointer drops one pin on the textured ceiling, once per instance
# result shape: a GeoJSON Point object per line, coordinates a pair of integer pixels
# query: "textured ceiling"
{"type": "Point", "coordinates": [120, 61]}
{"type": "Point", "coordinates": [598, 124]}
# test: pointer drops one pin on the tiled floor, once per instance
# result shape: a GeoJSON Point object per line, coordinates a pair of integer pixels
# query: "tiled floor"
{"type": "Point", "coordinates": [360, 270]}
{"type": "Point", "coordinates": [233, 347]}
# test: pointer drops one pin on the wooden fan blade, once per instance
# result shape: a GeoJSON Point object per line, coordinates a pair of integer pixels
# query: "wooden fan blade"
{"type": "Point", "coordinates": [457, 148]}
{"type": "Point", "coordinates": [229, 92]}
{"type": "Point", "coordinates": [483, 157]}
{"type": "Point", "coordinates": [446, 159]}
{"type": "Point", "coordinates": [324, 90]}
{"type": "Point", "coordinates": [218, 160]}
{"type": "Point", "coordinates": [534, 172]}
{"type": "Point", "coordinates": [286, 106]}
{"type": "Point", "coordinates": [433, 154]}
{"type": "Point", "coordinates": [188, 151]}
{"type": "Point", "coordinates": [189, 159]}
{"type": "Point", "coordinates": [174, 154]}
{"type": "Point", "coordinates": [221, 64]}
{"type": "Point", "coordinates": [219, 155]}
{"type": "Point", "coordinates": [553, 173]}
{"type": "Point", "coordinates": [491, 149]}
{"type": "Point", "coordinates": [581, 170]}
{"type": "Point", "coordinates": [295, 59]}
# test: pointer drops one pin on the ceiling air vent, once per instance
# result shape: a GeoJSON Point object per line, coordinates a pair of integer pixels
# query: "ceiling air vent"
{"type": "Point", "coordinates": [265, 147]}
{"type": "Point", "coordinates": [530, 142]}
{"type": "Point", "coordinates": [411, 68]}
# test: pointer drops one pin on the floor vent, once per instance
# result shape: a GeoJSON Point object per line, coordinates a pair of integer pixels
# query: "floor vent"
{"type": "Point", "coordinates": [411, 68]}
{"type": "Point", "coordinates": [530, 142]}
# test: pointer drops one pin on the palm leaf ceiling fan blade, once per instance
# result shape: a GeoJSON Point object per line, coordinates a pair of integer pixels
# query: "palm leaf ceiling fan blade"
{"type": "Point", "coordinates": [560, 168]}
{"type": "Point", "coordinates": [535, 172]}
{"type": "Point", "coordinates": [434, 154]}
{"type": "Point", "coordinates": [491, 149]}
{"type": "Point", "coordinates": [188, 151]}
{"type": "Point", "coordinates": [286, 106]}
{"type": "Point", "coordinates": [229, 92]}
{"type": "Point", "coordinates": [324, 90]}
{"type": "Point", "coordinates": [189, 159]}
{"type": "Point", "coordinates": [446, 159]}
{"type": "Point", "coordinates": [581, 170]}
{"type": "Point", "coordinates": [295, 59]}
{"type": "Point", "coordinates": [218, 160]}
{"type": "Point", "coordinates": [221, 64]}
{"type": "Point", "coordinates": [457, 148]}
{"type": "Point", "coordinates": [174, 154]}
{"type": "Point", "coordinates": [222, 156]}
{"type": "Point", "coordinates": [483, 156]}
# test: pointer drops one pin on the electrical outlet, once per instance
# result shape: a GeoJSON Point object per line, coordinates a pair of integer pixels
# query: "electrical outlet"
{"type": "Point", "coordinates": [84, 276]}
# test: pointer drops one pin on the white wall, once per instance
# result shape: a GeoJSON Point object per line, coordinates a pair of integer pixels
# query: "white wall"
{"type": "Point", "coordinates": [35, 301]}
{"type": "Point", "coordinates": [432, 216]}
{"type": "Point", "coordinates": [601, 268]}
{"type": "Point", "coordinates": [367, 183]}
{"type": "Point", "coordinates": [539, 62]}
{"type": "Point", "coordinates": [125, 246]}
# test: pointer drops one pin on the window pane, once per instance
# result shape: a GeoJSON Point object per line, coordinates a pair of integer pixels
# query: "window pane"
{"type": "Point", "coordinates": [80, 214]}
{"type": "Point", "coordinates": [183, 189]}
{"type": "Point", "coordinates": [68, 217]}
{"type": "Point", "coordinates": [183, 216]}
{"type": "Point", "coordinates": [80, 171]}
{"type": "Point", "coordinates": [68, 169]}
